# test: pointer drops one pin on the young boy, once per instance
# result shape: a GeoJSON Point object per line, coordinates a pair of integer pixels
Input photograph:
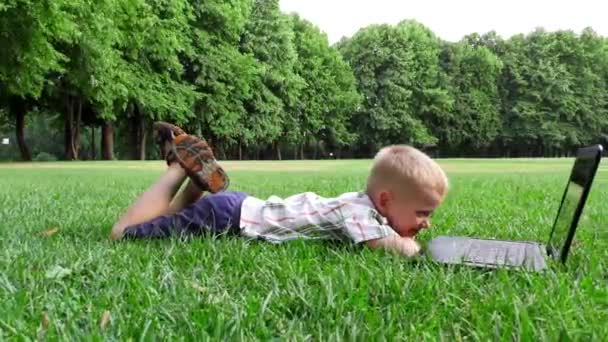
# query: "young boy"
{"type": "Point", "coordinates": [404, 187]}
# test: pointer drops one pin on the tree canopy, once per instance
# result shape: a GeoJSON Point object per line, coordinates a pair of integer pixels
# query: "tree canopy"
{"type": "Point", "coordinates": [77, 76]}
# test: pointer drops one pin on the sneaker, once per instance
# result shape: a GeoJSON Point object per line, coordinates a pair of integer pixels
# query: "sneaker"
{"type": "Point", "coordinates": [164, 134]}
{"type": "Point", "coordinates": [193, 154]}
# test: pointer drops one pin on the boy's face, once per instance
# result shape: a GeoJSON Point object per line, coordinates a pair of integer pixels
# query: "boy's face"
{"type": "Point", "coordinates": [408, 215]}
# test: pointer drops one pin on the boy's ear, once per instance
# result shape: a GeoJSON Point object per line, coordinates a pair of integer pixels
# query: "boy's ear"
{"type": "Point", "coordinates": [384, 200]}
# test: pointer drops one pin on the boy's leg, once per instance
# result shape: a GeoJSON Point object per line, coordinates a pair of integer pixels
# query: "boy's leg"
{"type": "Point", "coordinates": [187, 156]}
{"type": "Point", "coordinates": [214, 214]}
{"type": "Point", "coordinates": [188, 195]}
{"type": "Point", "coordinates": [152, 203]}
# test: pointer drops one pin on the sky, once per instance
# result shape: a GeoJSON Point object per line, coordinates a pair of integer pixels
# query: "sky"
{"type": "Point", "coordinates": [451, 20]}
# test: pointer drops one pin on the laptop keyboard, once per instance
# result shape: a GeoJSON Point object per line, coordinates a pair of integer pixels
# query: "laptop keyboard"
{"type": "Point", "coordinates": [507, 253]}
{"type": "Point", "coordinates": [503, 253]}
{"type": "Point", "coordinates": [482, 252]}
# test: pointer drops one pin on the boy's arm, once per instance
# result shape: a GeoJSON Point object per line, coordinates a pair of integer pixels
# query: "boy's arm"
{"type": "Point", "coordinates": [402, 245]}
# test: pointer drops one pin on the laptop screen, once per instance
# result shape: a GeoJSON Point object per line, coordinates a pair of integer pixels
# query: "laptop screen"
{"type": "Point", "coordinates": [572, 204]}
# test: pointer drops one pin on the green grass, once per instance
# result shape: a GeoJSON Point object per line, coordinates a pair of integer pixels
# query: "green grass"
{"type": "Point", "coordinates": [230, 288]}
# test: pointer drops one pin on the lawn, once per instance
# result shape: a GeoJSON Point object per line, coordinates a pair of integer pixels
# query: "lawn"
{"type": "Point", "coordinates": [75, 284]}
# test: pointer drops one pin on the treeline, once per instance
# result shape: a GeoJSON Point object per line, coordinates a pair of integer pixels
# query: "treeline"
{"type": "Point", "coordinates": [82, 80]}
{"type": "Point", "coordinates": [541, 94]}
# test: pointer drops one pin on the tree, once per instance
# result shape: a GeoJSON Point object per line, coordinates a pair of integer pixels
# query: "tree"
{"type": "Point", "coordinates": [28, 54]}
{"type": "Point", "coordinates": [250, 78]}
{"type": "Point", "coordinates": [397, 73]}
{"type": "Point", "coordinates": [591, 81]}
{"type": "Point", "coordinates": [551, 90]}
{"type": "Point", "coordinates": [92, 77]}
{"type": "Point", "coordinates": [123, 61]}
{"type": "Point", "coordinates": [326, 103]}
{"type": "Point", "coordinates": [154, 37]}
{"type": "Point", "coordinates": [268, 37]}
{"type": "Point", "coordinates": [222, 75]}
{"type": "Point", "coordinates": [472, 72]}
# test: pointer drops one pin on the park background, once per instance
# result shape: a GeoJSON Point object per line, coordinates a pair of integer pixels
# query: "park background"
{"type": "Point", "coordinates": [86, 81]}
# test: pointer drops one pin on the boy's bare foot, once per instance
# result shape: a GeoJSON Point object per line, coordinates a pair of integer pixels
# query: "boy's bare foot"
{"type": "Point", "coordinates": [193, 154]}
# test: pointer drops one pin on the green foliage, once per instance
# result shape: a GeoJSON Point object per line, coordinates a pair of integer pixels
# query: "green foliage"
{"type": "Point", "coordinates": [241, 73]}
{"type": "Point", "coordinates": [154, 36]}
{"type": "Point", "coordinates": [471, 76]}
{"type": "Point", "coordinates": [222, 75]}
{"type": "Point", "coordinates": [397, 72]}
{"type": "Point", "coordinates": [128, 52]}
{"type": "Point", "coordinates": [268, 37]}
{"type": "Point", "coordinates": [30, 30]}
{"type": "Point", "coordinates": [329, 97]}
{"type": "Point", "coordinates": [44, 157]}
{"type": "Point", "coordinates": [552, 89]}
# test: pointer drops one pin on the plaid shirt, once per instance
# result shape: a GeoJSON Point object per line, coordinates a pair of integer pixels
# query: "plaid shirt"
{"type": "Point", "coordinates": [349, 217]}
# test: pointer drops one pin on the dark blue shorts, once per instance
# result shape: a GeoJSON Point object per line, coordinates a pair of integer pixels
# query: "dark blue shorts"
{"type": "Point", "coordinates": [215, 214]}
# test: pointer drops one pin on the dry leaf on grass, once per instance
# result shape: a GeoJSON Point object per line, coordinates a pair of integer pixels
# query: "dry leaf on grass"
{"type": "Point", "coordinates": [44, 325]}
{"type": "Point", "coordinates": [105, 319]}
{"type": "Point", "coordinates": [58, 272]}
{"type": "Point", "coordinates": [45, 321]}
{"type": "Point", "coordinates": [50, 232]}
{"type": "Point", "coordinates": [198, 288]}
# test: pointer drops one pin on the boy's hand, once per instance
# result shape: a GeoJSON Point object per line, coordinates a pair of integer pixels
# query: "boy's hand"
{"type": "Point", "coordinates": [409, 246]}
{"type": "Point", "coordinates": [402, 245]}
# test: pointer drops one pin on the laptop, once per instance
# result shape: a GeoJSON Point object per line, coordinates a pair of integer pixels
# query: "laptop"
{"type": "Point", "coordinates": [525, 254]}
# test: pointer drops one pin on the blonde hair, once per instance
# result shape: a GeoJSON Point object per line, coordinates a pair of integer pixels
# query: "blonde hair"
{"type": "Point", "coordinates": [404, 169]}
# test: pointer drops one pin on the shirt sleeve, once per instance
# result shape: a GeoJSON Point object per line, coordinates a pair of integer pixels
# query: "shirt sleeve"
{"type": "Point", "coordinates": [365, 227]}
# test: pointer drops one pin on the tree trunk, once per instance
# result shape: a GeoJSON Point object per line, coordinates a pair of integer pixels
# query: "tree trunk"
{"type": "Point", "coordinates": [19, 110]}
{"type": "Point", "coordinates": [133, 125]}
{"type": "Point", "coordinates": [278, 149]}
{"type": "Point", "coordinates": [93, 152]}
{"type": "Point", "coordinates": [69, 146]}
{"type": "Point", "coordinates": [72, 128]}
{"type": "Point", "coordinates": [240, 150]}
{"type": "Point", "coordinates": [302, 151]}
{"type": "Point", "coordinates": [256, 152]}
{"type": "Point", "coordinates": [220, 152]}
{"type": "Point", "coordinates": [76, 129]}
{"type": "Point", "coordinates": [107, 141]}
{"type": "Point", "coordinates": [137, 134]}
{"type": "Point", "coordinates": [142, 140]}
{"type": "Point", "coordinates": [140, 134]}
